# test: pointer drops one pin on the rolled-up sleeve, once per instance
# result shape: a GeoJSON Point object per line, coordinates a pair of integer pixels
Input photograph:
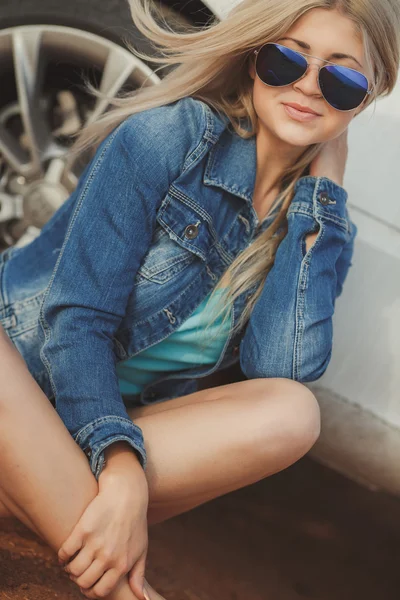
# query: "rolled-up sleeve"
{"type": "Point", "coordinates": [289, 333]}
{"type": "Point", "coordinates": [109, 232]}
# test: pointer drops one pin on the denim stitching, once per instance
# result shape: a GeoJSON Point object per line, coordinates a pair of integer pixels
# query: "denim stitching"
{"type": "Point", "coordinates": [42, 320]}
{"type": "Point", "coordinates": [97, 461]}
{"type": "Point", "coordinates": [89, 427]}
{"type": "Point", "coordinates": [300, 303]}
{"type": "Point", "coordinates": [339, 221]}
{"type": "Point", "coordinates": [202, 147]}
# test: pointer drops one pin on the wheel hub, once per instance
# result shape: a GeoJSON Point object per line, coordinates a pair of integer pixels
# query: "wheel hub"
{"type": "Point", "coordinates": [41, 201]}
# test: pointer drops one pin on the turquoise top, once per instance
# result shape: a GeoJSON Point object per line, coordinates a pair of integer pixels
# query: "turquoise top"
{"type": "Point", "coordinates": [180, 350]}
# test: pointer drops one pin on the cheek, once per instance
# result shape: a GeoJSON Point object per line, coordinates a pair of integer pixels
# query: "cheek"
{"type": "Point", "coordinates": [263, 97]}
{"type": "Point", "coordinates": [266, 104]}
{"type": "Point", "coordinates": [335, 123]}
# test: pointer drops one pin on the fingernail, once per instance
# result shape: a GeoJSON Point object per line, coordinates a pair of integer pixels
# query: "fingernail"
{"type": "Point", "coordinates": [145, 592]}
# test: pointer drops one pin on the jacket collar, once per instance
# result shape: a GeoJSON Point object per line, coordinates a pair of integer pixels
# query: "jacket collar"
{"type": "Point", "coordinates": [232, 164]}
{"type": "Point", "coordinates": [232, 161]}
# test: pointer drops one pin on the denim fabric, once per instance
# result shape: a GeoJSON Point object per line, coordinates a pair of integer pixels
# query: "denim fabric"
{"type": "Point", "coordinates": [116, 270]}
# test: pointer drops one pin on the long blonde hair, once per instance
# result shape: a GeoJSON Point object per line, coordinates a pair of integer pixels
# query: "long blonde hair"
{"type": "Point", "coordinates": [212, 66]}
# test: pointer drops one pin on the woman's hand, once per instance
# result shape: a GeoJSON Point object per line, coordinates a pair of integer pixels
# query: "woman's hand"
{"type": "Point", "coordinates": [331, 160]}
{"type": "Point", "coordinates": [111, 537]}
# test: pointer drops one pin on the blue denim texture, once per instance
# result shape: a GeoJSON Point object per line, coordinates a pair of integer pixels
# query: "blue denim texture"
{"type": "Point", "coordinates": [114, 270]}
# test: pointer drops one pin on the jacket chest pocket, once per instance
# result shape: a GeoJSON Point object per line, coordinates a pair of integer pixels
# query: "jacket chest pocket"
{"type": "Point", "coordinates": [183, 236]}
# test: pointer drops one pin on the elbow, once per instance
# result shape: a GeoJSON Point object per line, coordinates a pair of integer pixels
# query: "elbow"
{"type": "Point", "coordinates": [255, 367]}
{"type": "Point", "coordinates": [313, 375]}
{"type": "Point", "coordinates": [305, 372]}
{"type": "Point", "coordinates": [314, 369]}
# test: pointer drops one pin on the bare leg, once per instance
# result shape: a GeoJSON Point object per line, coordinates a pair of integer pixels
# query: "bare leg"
{"type": "Point", "coordinates": [162, 503]}
{"type": "Point", "coordinates": [45, 478]}
{"type": "Point", "coordinates": [220, 439]}
{"type": "Point", "coordinates": [204, 445]}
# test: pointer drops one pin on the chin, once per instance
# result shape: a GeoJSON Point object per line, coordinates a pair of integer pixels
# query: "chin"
{"type": "Point", "coordinates": [298, 136]}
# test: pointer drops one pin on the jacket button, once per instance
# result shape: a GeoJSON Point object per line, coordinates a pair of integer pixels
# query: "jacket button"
{"type": "Point", "coordinates": [236, 350]}
{"type": "Point", "coordinates": [324, 199]}
{"type": "Point", "coordinates": [88, 452]}
{"type": "Point", "coordinates": [192, 231]}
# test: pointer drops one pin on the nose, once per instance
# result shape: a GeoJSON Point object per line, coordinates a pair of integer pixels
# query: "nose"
{"type": "Point", "coordinates": [309, 83]}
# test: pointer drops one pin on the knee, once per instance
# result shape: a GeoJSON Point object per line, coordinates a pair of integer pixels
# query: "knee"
{"type": "Point", "coordinates": [295, 411]}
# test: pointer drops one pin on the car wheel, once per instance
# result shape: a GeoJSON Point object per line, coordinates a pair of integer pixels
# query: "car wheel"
{"type": "Point", "coordinates": [47, 47]}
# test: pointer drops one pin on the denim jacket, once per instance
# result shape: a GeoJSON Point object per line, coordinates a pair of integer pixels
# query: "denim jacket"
{"type": "Point", "coordinates": [159, 213]}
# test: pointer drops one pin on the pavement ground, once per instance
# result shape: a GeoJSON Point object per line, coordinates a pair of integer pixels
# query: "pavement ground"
{"type": "Point", "coordinates": [306, 532]}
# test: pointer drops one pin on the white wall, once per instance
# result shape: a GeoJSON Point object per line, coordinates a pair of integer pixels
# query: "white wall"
{"type": "Point", "coordinates": [359, 394]}
{"type": "Point", "coordinates": [365, 366]}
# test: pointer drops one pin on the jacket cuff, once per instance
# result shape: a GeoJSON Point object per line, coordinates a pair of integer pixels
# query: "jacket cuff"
{"type": "Point", "coordinates": [322, 199]}
{"type": "Point", "coordinates": [97, 435]}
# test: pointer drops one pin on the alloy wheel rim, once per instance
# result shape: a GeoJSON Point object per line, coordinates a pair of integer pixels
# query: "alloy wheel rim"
{"type": "Point", "coordinates": [41, 110]}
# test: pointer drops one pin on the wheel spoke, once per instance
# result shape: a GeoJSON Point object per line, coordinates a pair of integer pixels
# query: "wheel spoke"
{"type": "Point", "coordinates": [117, 70]}
{"type": "Point", "coordinates": [29, 65]}
{"type": "Point", "coordinates": [70, 180]}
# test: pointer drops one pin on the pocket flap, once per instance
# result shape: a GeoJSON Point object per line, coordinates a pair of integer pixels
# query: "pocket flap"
{"type": "Point", "coordinates": [187, 223]}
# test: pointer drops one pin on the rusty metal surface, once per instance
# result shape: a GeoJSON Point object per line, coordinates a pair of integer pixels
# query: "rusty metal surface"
{"type": "Point", "coordinates": [306, 532]}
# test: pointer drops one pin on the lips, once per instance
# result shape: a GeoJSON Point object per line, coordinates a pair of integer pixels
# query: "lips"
{"type": "Point", "coordinates": [300, 115]}
{"type": "Point", "coordinates": [304, 109]}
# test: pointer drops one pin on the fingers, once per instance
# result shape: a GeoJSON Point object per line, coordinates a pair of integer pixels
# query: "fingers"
{"type": "Point", "coordinates": [104, 586]}
{"type": "Point", "coordinates": [93, 570]}
{"type": "Point", "coordinates": [101, 577]}
{"type": "Point", "coordinates": [136, 576]}
{"type": "Point", "coordinates": [71, 545]}
{"type": "Point", "coordinates": [89, 576]}
{"type": "Point", "coordinates": [78, 565]}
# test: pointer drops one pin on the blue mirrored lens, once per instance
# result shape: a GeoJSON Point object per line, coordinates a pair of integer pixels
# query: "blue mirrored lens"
{"type": "Point", "coordinates": [342, 87]}
{"type": "Point", "coordinates": [277, 65]}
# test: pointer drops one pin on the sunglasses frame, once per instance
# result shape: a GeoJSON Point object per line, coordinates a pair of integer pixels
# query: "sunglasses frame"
{"type": "Point", "coordinates": [367, 93]}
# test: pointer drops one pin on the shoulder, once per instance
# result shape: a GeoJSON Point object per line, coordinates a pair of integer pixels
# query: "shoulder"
{"type": "Point", "coordinates": [160, 142]}
{"type": "Point", "coordinates": [178, 125]}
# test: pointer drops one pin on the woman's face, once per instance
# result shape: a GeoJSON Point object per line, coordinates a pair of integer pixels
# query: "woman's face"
{"type": "Point", "coordinates": [321, 33]}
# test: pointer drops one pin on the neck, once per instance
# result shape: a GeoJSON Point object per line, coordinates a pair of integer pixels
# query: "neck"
{"type": "Point", "coordinates": [274, 156]}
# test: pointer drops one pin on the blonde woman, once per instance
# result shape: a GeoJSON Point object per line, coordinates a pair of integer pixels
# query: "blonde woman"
{"type": "Point", "coordinates": [209, 228]}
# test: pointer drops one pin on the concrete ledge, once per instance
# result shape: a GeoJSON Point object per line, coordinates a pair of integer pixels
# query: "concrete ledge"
{"type": "Point", "coordinates": [356, 443]}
